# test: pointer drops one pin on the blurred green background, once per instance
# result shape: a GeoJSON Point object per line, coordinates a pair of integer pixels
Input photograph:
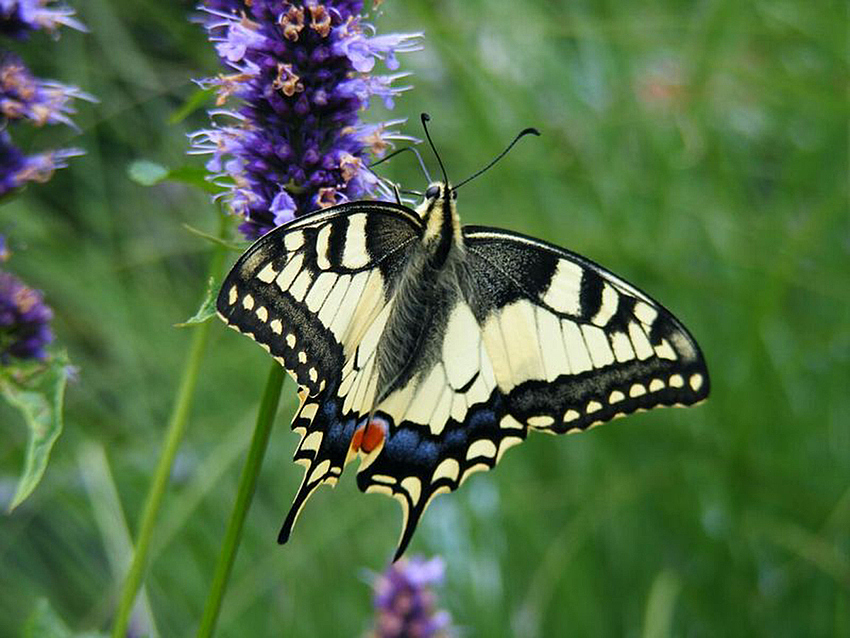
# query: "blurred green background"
{"type": "Point", "coordinates": [697, 149]}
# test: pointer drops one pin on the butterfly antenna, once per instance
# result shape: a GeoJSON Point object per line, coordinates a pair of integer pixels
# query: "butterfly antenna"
{"type": "Point", "coordinates": [425, 119]}
{"type": "Point", "coordinates": [399, 152]}
{"type": "Point", "coordinates": [520, 135]}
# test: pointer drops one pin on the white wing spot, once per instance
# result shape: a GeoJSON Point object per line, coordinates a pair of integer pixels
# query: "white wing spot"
{"type": "Point", "coordinates": [643, 348]}
{"type": "Point", "coordinates": [555, 361]}
{"type": "Point", "coordinates": [308, 411]}
{"type": "Point", "coordinates": [300, 285]}
{"type": "Point", "coordinates": [655, 385]}
{"type": "Point", "coordinates": [695, 382]}
{"type": "Point", "coordinates": [676, 381]}
{"type": "Point", "coordinates": [262, 314]}
{"type": "Point", "coordinates": [290, 340]}
{"type": "Point", "coordinates": [597, 344]}
{"type": "Point", "coordinates": [354, 253]}
{"type": "Point", "coordinates": [321, 469]}
{"type": "Point", "coordinates": [542, 421]}
{"type": "Point", "coordinates": [233, 295]}
{"type": "Point", "coordinates": [646, 313]}
{"type": "Point", "coordinates": [333, 300]}
{"type": "Point", "coordinates": [481, 447]}
{"type": "Point", "coordinates": [276, 326]}
{"type": "Point", "coordinates": [302, 357]}
{"type": "Point", "coordinates": [323, 247]}
{"type": "Point", "coordinates": [319, 291]}
{"type": "Point", "coordinates": [664, 351]}
{"type": "Point", "coordinates": [294, 240]}
{"type": "Point", "coordinates": [289, 272]}
{"type": "Point", "coordinates": [575, 347]}
{"type": "Point", "coordinates": [248, 302]}
{"type": "Point", "coordinates": [311, 442]}
{"type": "Point", "coordinates": [593, 406]}
{"type": "Point", "coordinates": [610, 300]}
{"type": "Point", "coordinates": [563, 294]}
{"type": "Point", "coordinates": [570, 415]}
{"type": "Point", "coordinates": [616, 396]}
{"type": "Point", "coordinates": [313, 374]}
{"type": "Point", "coordinates": [622, 347]}
{"type": "Point", "coordinates": [510, 423]}
{"type": "Point", "coordinates": [637, 390]}
{"type": "Point", "coordinates": [413, 486]}
{"type": "Point", "coordinates": [268, 273]}
{"type": "Point", "coordinates": [448, 468]}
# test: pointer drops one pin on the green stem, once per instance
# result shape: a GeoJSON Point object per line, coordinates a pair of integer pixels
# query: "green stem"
{"type": "Point", "coordinates": [173, 437]}
{"type": "Point", "coordinates": [247, 483]}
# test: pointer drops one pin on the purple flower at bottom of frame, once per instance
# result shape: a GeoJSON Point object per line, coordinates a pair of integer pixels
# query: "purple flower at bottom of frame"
{"type": "Point", "coordinates": [16, 169]}
{"type": "Point", "coordinates": [24, 321]}
{"type": "Point", "coordinates": [404, 603]}
{"type": "Point", "coordinates": [19, 17]}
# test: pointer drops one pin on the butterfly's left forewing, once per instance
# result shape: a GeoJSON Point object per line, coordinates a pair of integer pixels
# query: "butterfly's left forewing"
{"type": "Point", "coordinates": [310, 292]}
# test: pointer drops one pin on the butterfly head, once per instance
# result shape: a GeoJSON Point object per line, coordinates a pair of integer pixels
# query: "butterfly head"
{"type": "Point", "coordinates": [437, 191]}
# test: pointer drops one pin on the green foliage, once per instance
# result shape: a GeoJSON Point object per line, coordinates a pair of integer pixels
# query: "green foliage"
{"type": "Point", "coordinates": [38, 394]}
{"type": "Point", "coordinates": [697, 149]}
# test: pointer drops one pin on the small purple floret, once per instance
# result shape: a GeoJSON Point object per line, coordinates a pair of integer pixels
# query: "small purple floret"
{"type": "Point", "coordinates": [404, 603]}
{"type": "Point", "coordinates": [24, 321]}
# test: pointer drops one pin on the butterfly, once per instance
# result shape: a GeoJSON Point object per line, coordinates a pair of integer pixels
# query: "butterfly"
{"type": "Point", "coordinates": [426, 349]}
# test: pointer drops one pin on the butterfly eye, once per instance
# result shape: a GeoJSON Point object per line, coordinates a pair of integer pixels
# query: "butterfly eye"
{"type": "Point", "coordinates": [433, 192]}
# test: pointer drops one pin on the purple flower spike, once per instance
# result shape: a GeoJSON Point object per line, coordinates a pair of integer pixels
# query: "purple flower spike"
{"type": "Point", "coordinates": [404, 603]}
{"type": "Point", "coordinates": [24, 321]}
{"type": "Point", "coordinates": [302, 73]}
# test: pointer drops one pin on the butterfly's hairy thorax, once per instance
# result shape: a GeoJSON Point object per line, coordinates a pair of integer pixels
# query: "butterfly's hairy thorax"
{"type": "Point", "coordinates": [424, 296]}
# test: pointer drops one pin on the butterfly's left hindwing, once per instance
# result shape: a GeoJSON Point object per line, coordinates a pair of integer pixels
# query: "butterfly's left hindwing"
{"type": "Point", "coordinates": [308, 292]}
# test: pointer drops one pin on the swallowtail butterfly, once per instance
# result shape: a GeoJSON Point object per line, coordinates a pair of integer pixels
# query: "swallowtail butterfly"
{"type": "Point", "coordinates": [426, 348]}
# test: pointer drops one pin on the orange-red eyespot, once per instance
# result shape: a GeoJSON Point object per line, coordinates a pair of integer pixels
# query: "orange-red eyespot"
{"type": "Point", "coordinates": [374, 434]}
{"type": "Point", "coordinates": [357, 439]}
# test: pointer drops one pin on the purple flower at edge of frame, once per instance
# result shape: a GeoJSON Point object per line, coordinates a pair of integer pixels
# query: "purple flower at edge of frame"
{"type": "Point", "coordinates": [16, 169]}
{"type": "Point", "coordinates": [301, 74]}
{"type": "Point", "coordinates": [26, 97]}
{"type": "Point", "coordinates": [20, 17]}
{"type": "Point", "coordinates": [404, 603]}
{"type": "Point", "coordinates": [24, 321]}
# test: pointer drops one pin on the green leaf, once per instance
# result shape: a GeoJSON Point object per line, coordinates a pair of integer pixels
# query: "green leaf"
{"type": "Point", "coordinates": [44, 622]}
{"type": "Point", "coordinates": [661, 605]}
{"type": "Point", "coordinates": [193, 176]}
{"type": "Point", "coordinates": [40, 402]}
{"type": "Point", "coordinates": [147, 173]}
{"type": "Point", "coordinates": [207, 308]}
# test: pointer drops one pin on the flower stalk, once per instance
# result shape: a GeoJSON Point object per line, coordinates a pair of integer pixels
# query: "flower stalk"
{"type": "Point", "coordinates": [173, 436]}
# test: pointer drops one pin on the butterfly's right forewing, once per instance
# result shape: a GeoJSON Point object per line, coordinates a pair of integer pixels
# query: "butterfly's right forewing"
{"type": "Point", "coordinates": [309, 293]}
